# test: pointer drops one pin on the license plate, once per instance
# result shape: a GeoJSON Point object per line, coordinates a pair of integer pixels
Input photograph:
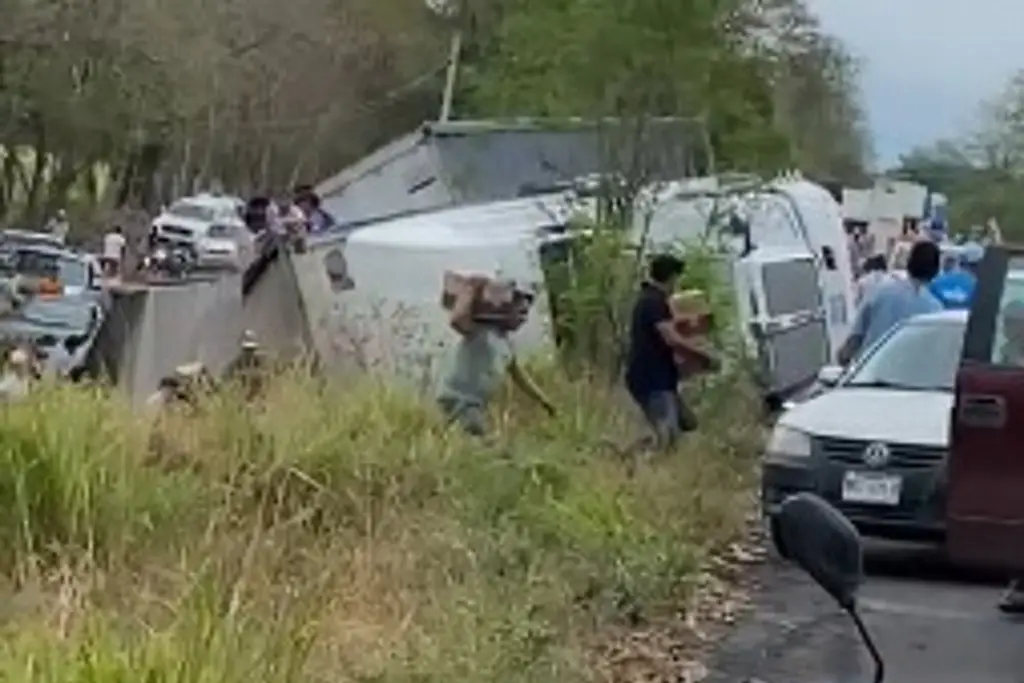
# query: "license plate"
{"type": "Point", "coordinates": [872, 488]}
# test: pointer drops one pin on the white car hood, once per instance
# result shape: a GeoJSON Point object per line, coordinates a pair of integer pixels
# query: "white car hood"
{"type": "Point", "coordinates": [891, 416]}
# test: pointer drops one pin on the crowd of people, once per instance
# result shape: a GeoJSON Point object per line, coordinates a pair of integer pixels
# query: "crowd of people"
{"type": "Point", "coordinates": [296, 214]}
{"type": "Point", "coordinates": [291, 215]}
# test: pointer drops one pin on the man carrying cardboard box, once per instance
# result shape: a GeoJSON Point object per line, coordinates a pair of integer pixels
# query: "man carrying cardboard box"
{"type": "Point", "coordinates": [484, 312]}
{"type": "Point", "coordinates": [656, 344]}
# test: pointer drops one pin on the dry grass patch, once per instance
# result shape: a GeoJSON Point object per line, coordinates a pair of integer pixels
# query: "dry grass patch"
{"type": "Point", "coordinates": [338, 533]}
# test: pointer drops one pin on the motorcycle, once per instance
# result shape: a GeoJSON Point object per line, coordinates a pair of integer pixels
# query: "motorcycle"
{"type": "Point", "coordinates": [175, 262]}
{"type": "Point", "coordinates": [816, 537]}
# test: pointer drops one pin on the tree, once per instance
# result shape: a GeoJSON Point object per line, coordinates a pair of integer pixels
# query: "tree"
{"type": "Point", "coordinates": [763, 88]}
{"type": "Point", "coordinates": [983, 172]}
{"type": "Point", "coordinates": [137, 102]}
{"type": "Point", "coordinates": [770, 88]}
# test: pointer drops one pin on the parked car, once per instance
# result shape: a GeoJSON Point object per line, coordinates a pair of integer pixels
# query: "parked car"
{"type": "Point", "coordinates": [211, 225]}
{"type": "Point", "coordinates": [30, 238]}
{"type": "Point", "coordinates": [76, 274]}
{"type": "Point", "coordinates": [875, 444]}
{"type": "Point", "coordinates": [63, 323]}
{"type": "Point", "coordinates": [986, 470]}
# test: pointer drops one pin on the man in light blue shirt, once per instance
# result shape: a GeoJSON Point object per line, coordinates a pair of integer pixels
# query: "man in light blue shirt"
{"type": "Point", "coordinates": [894, 301]}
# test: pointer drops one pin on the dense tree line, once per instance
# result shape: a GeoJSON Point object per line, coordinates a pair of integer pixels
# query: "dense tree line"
{"type": "Point", "coordinates": [108, 102]}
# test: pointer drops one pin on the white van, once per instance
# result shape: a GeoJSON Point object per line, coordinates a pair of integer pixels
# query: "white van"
{"type": "Point", "coordinates": [790, 255]}
{"type": "Point", "coordinates": [793, 284]}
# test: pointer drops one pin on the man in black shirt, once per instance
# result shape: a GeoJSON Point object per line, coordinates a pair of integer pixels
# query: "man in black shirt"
{"type": "Point", "coordinates": [652, 376]}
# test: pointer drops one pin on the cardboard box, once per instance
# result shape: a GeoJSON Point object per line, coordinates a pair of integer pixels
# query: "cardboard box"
{"type": "Point", "coordinates": [693, 321]}
{"type": "Point", "coordinates": [494, 298]}
{"type": "Point", "coordinates": [692, 313]}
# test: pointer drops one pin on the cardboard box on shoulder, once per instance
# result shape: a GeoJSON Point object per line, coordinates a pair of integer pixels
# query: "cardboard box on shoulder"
{"type": "Point", "coordinates": [693, 320]}
{"type": "Point", "coordinates": [494, 298]}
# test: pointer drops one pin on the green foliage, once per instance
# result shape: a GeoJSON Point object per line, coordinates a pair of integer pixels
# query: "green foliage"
{"type": "Point", "coordinates": [769, 89]}
{"type": "Point", "coordinates": [982, 173]}
{"type": "Point", "coordinates": [594, 278]}
{"type": "Point", "coordinates": [339, 533]}
{"type": "Point", "coordinates": [160, 95]}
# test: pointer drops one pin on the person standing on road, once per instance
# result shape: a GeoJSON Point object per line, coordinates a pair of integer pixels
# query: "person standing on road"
{"type": "Point", "coordinates": [58, 226]}
{"type": "Point", "coordinates": [481, 359]}
{"type": "Point", "coordinates": [875, 271]}
{"type": "Point", "coordinates": [652, 373]}
{"type": "Point", "coordinates": [894, 301]}
{"type": "Point", "coordinates": [114, 247]}
{"type": "Point", "coordinates": [291, 222]}
{"type": "Point", "coordinates": [318, 220]}
{"type": "Point", "coordinates": [954, 288]}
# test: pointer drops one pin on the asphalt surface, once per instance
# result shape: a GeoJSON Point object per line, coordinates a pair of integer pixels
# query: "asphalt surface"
{"type": "Point", "coordinates": [933, 624]}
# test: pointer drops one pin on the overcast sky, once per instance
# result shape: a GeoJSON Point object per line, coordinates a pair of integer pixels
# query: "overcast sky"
{"type": "Point", "coordinates": [926, 64]}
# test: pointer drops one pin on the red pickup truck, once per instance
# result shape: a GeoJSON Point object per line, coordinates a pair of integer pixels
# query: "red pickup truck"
{"type": "Point", "coordinates": [985, 490]}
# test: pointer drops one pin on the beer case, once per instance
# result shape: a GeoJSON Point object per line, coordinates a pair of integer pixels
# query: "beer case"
{"type": "Point", "coordinates": [494, 298]}
{"type": "Point", "coordinates": [693, 321]}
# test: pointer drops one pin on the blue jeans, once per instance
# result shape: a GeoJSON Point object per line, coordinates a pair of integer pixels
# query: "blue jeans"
{"type": "Point", "coordinates": [470, 417]}
{"type": "Point", "coordinates": [667, 414]}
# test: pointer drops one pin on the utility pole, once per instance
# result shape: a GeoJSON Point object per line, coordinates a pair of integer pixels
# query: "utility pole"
{"type": "Point", "coordinates": [451, 76]}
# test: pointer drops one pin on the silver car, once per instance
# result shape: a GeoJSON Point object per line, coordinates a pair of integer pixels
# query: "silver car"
{"type": "Point", "coordinates": [874, 445]}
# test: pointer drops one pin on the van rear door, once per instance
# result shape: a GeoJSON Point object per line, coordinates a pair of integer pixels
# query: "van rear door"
{"type": "Point", "coordinates": [985, 499]}
{"type": "Point", "coordinates": [790, 324]}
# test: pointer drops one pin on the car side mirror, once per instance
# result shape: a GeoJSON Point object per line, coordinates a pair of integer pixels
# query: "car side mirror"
{"type": "Point", "coordinates": [830, 375]}
{"type": "Point", "coordinates": [821, 541]}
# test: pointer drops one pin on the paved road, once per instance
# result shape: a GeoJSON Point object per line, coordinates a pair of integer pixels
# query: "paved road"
{"type": "Point", "coordinates": [933, 624]}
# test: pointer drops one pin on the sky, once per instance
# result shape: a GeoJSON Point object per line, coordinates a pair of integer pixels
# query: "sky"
{"type": "Point", "coordinates": [926, 65]}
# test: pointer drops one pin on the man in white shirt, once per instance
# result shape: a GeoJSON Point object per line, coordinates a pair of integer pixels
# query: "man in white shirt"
{"type": "Point", "coordinates": [114, 244]}
{"type": "Point", "coordinates": [874, 274]}
{"type": "Point", "coordinates": [58, 226]}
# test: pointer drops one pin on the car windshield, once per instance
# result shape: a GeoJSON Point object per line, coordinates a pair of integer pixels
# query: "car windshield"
{"type": "Point", "coordinates": [192, 211]}
{"type": "Point", "coordinates": [917, 356]}
{"type": "Point", "coordinates": [73, 272]}
{"type": "Point", "coordinates": [68, 270]}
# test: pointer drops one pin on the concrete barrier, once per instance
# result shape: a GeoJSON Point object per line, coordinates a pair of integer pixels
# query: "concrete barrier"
{"type": "Point", "coordinates": [273, 307]}
{"type": "Point", "coordinates": [318, 301]}
{"type": "Point", "coordinates": [149, 331]}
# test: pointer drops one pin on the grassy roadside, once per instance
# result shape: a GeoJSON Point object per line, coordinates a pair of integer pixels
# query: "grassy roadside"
{"type": "Point", "coordinates": [338, 534]}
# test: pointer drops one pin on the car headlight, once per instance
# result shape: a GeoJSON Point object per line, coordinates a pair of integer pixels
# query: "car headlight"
{"type": "Point", "coordinates": [790, 442]}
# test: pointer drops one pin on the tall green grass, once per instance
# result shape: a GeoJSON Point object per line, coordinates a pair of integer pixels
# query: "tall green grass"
{"type": "Point", "coordinates": [337, 531]}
